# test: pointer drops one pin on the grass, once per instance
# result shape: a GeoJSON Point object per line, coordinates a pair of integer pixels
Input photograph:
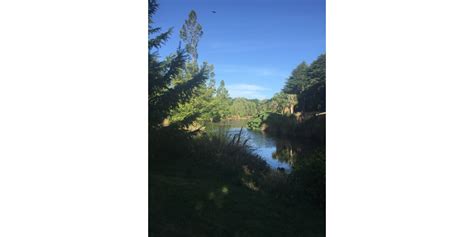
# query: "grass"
{"type": "Point", "coordinates": [218, 188]}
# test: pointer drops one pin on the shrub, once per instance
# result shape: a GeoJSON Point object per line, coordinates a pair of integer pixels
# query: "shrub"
{"type": "Point", "coordinates": [257, 121]}
{"type": "Point", "coordinates": [281, 125]}
{"type": "Point", "coordinates": [309, 178]}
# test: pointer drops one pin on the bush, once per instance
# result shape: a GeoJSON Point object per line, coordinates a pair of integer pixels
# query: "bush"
{"type": "Point", "coordinates": [257, 121]}
{"type": "Point", "coordinates": [313, 128]}
{"type": "Point", "coordinates": [281, 125]}
{"type": "Point", "coordinates": [167, 143]}
{"type": "Point", "coordinates": [308, 178]}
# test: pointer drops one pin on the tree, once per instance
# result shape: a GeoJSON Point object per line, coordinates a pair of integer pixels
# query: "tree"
{"type": "Point", "coordinates": [307, 84]}
{"type": "Point", "coordinates": [242, 107]}
{"type": "Point", "coordinates": [313, 98]}
{"type": "Point", "coordinates": [317, 70]}
{"type": "Point", "coordinates": [292, 101]}
{"type": "Point", "coordinates": [222, 92]}
{"type": "Point", "coordinates": [212, 81]}
{"type": "Point", "coordinates": [191, 33]}
{"type": "Point", "coordinates": [202, 105]}
{"type": "Point", "coordinates": [264, 106]}
{"type": "Point", "coordinates": [163, 94]}
{"type": "Point", "coordinates": [283, 103]}
{"type": "Point", "coordinates": [222, 100]}
{"type": "Point", "coordinates": [298, 81]}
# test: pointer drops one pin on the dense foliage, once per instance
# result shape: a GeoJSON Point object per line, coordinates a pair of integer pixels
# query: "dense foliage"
{"type": "Point", "coordinates": [309, 84]}
{"type": "Point", "coordinates": [302, 97]}
{"type": "Point", "coordinates": [165, 93]}
{"type": "Point", "coordinates": [242, 107]}
{"type": "Point", "coordinates": [313, 96]}
{"type": "Point", "coordinates": [257, 120]}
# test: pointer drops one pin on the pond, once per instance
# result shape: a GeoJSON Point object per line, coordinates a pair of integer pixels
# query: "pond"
{"type": "Point", "coordinates": [277, 152]}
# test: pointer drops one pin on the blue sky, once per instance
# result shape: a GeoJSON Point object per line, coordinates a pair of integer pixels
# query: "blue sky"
{"type": "Point", "coordinates": [253, 44]}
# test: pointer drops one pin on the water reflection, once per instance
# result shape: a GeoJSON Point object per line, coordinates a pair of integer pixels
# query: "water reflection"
{"type": "Point", "coordinates": [277, 152]}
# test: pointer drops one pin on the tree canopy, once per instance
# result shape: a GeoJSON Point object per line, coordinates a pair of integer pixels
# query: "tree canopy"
{"type": "Point", "coordinates": [191, 33]}
{"type": "Point", "coordinates": [308, 83]}
{"type": "Point", "coordinates": [163, 93]}
{"type": "Point", "coordinates": [298, 80]}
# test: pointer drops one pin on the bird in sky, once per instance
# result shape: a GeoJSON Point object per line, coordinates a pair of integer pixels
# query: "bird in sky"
{"type": "Point", "coordinates": [213, 11]}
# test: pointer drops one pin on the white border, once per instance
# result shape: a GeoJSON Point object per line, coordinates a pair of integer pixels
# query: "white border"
{"type": "Point", "coordinates": [73, 123]}
{"type": "Point", "coordinates": [400, 118]}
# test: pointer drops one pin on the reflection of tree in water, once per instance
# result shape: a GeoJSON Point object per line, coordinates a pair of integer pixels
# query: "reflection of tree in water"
{"type": "Point", "coordinates": [276, 151]}
{"type": "Point", "coordinates": [284, 152]}
{"type": "Point", "coordinates": [289, 151]}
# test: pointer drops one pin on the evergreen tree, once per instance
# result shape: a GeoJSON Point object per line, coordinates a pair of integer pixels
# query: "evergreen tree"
{"type": "Point", "coordinates": [317, 70]}
{"type": "Point", "coordinates": [222, 92]}
{"type": "Point", "coordinates": [212, 81]}
{"type": "Point", "coordinates": [313, 98]}
{"type": "Point", "coordinates": [223, 100]}
{"type": "Point", "coordinates": [308, 84]}
{"type": "Point", "coordinates": [191, 33]}
{"type": "Point", "coordinates": [163, 94]}
{"type": "Point", "coordinates": [298, 81]}
{"type": "Point", "coordinates": [202, 105]}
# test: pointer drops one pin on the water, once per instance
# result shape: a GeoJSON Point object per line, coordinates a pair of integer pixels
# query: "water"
{"type": "Point", "coordinates": [277, 152]}
{"type": "Point", "coordinates": [262, 145]}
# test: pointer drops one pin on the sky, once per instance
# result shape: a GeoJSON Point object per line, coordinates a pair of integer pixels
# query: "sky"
{"type": "Point", "coordinates": [253, 44]}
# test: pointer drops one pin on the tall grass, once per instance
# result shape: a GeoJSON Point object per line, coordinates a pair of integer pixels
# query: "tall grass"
{"type": "Point", "coordinates": [213, 185]}
{"type": "Point", "coordinates": [228, 157]}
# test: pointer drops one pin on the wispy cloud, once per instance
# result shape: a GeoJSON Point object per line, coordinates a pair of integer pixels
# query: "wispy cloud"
{"type": "Point", "coordinates": [250, 91]}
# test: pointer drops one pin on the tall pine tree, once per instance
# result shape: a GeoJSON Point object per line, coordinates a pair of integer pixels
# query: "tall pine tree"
{"type": "Point", "coordinates": [298, 81]}
{"type": "Point", "coordinates": [163, 95]}
{"type": "Point", "coordinates": [191, 33]}
{"type": "Point", "coordinates": [223, 100]}
{"type": "Point", "coordinates": [313, 98]}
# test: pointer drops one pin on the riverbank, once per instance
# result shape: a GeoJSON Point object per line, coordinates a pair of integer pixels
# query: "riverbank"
{"type": "Point", "coordinates": [292, 126]}
{"type": "Point", "coordinates": [211, 188]}
{"type": "Point", "coordinates": [237, 118]}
